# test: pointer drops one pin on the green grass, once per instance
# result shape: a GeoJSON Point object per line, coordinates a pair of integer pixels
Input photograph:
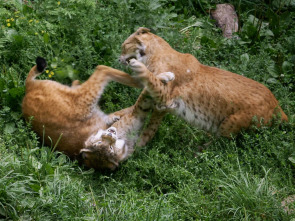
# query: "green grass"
{"type": "Point", "coordinates": [245, 178]}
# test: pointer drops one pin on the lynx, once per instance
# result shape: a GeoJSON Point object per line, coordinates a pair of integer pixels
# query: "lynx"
{"type": "Point", "coordinates": [212, 99]}
{"type": "Point", "coordinates": [71, 116]}
{"type": "Point", "coordinates": [116, 144]}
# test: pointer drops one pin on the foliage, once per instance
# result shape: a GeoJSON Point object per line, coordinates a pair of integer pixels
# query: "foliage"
{"type": "Point", "coordinates": [249, 197]}
{"type": "Point", "coordinates": [177, 176]}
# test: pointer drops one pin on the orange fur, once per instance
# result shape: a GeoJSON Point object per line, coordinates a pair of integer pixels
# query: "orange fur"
{"type": "Point", "coordinates": [212, 99]}
{"type": "Point", "coordinates": [73, 113]}
{"type": "Point", "coordinates": [117, 143]}
{"type": "Point", "coordinates": [70, 112]}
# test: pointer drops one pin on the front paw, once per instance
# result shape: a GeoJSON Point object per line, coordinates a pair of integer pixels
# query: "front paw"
{"type": "Point", "coordinates": [167, 106]}
{"type": "Point", "coordinates": [165, 77]}
{"type": "Point", "coordinates": [137, 66]}
{"type": "Point", "coordinates": [112, 119]}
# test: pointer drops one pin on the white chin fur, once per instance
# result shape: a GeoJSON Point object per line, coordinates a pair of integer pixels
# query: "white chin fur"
{"type": "Point", "coordinates": [121, 149]}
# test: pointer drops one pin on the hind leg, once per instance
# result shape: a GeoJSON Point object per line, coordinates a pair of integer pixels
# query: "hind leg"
{"type": "Point", "coordinates": [88, 94]}
{"type": "Point", "coordinates": [152, 127]}
{"type": "Point", "coordinates": [130, 125]}
{"type": "Point", "coordinates": [234, 123]}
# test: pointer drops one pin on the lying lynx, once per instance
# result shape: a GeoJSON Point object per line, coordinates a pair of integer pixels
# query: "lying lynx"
{"type": "Point", "coordinates": [210, 98]}
{"type": "Point", "coordinates": [116, 144]}
{"type": "Point", "coordinates": [72, 112]}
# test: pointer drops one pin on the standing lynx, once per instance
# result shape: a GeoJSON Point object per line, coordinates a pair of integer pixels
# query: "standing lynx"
{"type": "Point", "coordinates": [72, 114]}
{"type": "Point", "coordinates": [210, 98]}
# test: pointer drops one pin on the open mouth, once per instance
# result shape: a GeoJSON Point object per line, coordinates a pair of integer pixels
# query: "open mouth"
{"type": "Point", "coordinates": [112, 130]}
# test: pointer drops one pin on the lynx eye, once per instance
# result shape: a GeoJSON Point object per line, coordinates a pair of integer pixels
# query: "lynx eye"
{"type": "Point", "coordinates": [111, 147]}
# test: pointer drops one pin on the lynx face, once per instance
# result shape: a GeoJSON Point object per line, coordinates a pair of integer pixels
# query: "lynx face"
{"type": "Point", "coordinates": [134, 47]}
{"type": "Point", "coordinates": [103, 150]}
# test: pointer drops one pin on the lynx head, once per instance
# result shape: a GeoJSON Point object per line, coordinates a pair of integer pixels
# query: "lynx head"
{"type": "Point", "coordinates": [135, 46]}
{"type": "Point", "coordinates": [103, 150]}
{"type": "Point", "coordinates": [141, 45]}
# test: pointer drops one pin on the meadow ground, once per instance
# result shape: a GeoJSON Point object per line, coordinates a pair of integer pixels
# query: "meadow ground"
{"type": "Point", "coordinates": [246, 178]}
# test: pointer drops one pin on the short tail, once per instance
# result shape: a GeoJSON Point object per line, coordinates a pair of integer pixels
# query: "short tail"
{"type": "Point", "coordinates": [36, 70]}
{"type": "Point", "coordinates": [284, 116]}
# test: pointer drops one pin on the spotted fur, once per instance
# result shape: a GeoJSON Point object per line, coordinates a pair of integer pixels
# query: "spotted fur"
{"type": "Point", "coordinates": [118, 141]}
{"type": "Point", "coordinates": [212, 99]}
{"type": "Point", "coordinates": [72, 113]}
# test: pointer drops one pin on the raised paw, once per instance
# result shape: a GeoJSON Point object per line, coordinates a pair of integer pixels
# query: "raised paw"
{"type": "Point", "coordinates": [112, 119]}
{"type": "Point", "coordinates": [137, 66]}
{"type": "Point", "coordinates": [165, 77]}
{"type": "Point", "coordinates": [116, 118]}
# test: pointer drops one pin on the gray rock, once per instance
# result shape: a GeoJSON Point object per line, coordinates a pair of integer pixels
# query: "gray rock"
{"type": "Point", "coordinates": [226, 18]}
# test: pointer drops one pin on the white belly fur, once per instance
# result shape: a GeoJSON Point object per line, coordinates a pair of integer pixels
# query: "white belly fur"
{"type": "Point", "coordinates": [202, 120]}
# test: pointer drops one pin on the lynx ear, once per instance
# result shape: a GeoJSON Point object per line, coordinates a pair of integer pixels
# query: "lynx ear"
{"type": "Point", "coordinates": [142, 30]}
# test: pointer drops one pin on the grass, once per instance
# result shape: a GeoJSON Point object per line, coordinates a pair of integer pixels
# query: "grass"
{"type": "Point", "coordinates": [245, 178]}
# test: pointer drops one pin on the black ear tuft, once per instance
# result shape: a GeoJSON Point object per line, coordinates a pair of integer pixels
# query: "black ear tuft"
{"type": "Point", "coordinates": [41, 64]}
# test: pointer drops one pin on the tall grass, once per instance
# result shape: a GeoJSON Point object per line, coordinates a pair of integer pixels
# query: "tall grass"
{"type": "Point", "coordinates": [247, 197]}
{"type": "Point", "coordinates": [176, 176]}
